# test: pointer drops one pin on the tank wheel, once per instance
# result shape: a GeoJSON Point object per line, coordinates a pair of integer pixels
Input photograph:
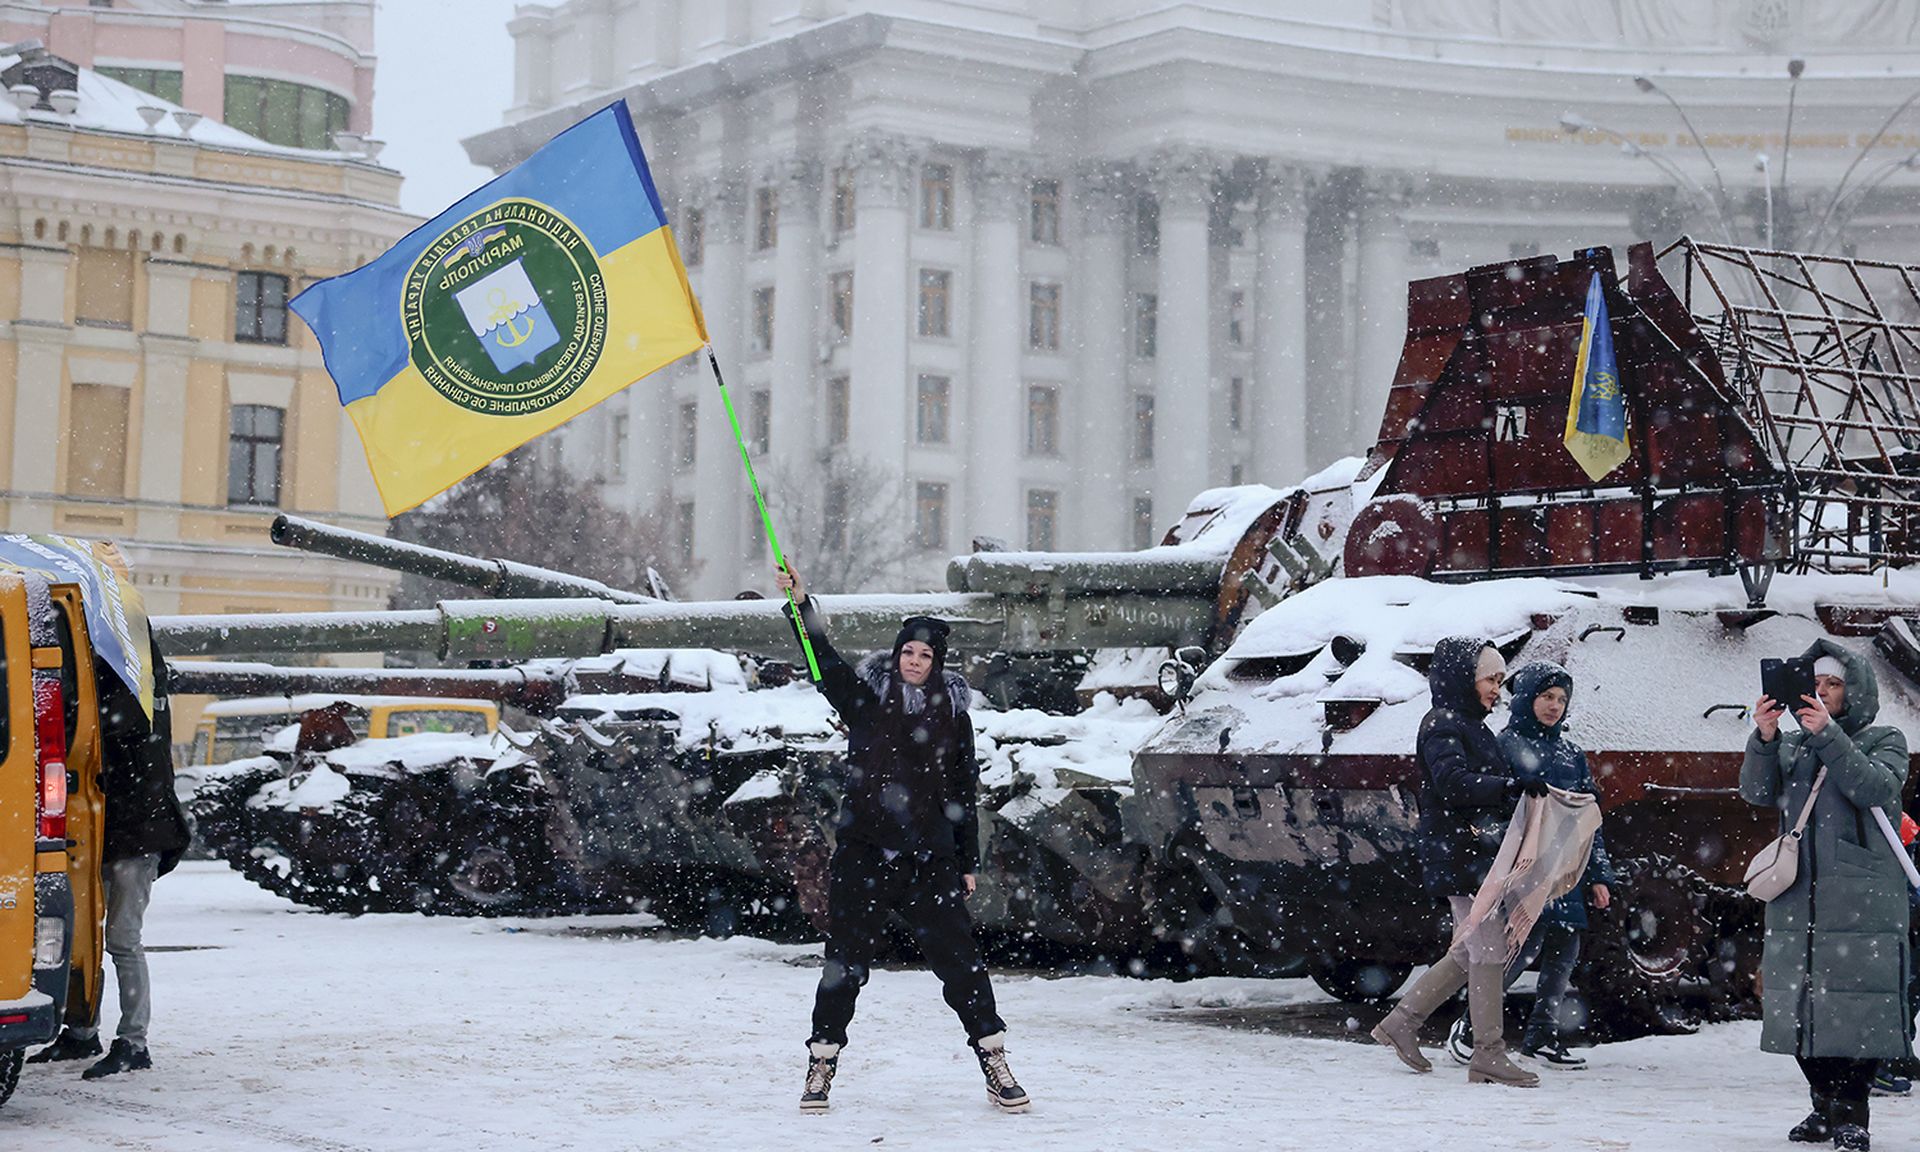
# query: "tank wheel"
{"type": "Point", "coordinates": [10, 1072]}
{"type": "Point", "coordinates": [1733, 961]}
{"type": "Point", "coordinates": [485, 876]}
{"type": "Point", "coordinates": [1656, 934]}
{"type": "Point", "coordinates": [1360, 981]}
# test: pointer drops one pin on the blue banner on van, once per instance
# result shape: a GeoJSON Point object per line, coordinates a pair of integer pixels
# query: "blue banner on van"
{"type": "Point", "coordinates": [116, 617]}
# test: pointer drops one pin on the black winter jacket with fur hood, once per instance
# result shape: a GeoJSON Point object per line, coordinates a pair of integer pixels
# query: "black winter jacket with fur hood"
{"type": "Point", "coordinates": [912, 779]}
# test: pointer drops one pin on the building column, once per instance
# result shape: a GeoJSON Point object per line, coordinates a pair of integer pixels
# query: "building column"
{"type": "Point", "coordinates": [1280, 329]}
{"type": "Point", "coordinates": [1182, 408]}
{"type": "Point", "coordinates": [798, 296]}
{"type": "Point", "coordinates": [719, 526]}
{"type": "Point", "coordinates": [1382, 330]}
{"type": "Point", "coordinates": [883, 303]}
{"type": "Point", "coordinates": [40, 350]}
{"type": "Point", "coordinates": [995, 393]}
{"type": "Point", "coordinates": [1103, 519]}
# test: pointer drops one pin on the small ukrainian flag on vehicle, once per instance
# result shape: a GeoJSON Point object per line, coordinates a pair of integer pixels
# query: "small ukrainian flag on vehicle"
{"type": "Point", "coordinates": [1597, 410]}
{"type": "Point", "coordinates": [536, 297]}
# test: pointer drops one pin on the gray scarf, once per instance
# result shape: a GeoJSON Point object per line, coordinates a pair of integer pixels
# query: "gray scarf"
{"type": "Point", "coordinates": [876, 672]}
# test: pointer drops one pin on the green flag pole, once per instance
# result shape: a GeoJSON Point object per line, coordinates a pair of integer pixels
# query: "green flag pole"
{"type": "Point", "coordinates": [766, 520]}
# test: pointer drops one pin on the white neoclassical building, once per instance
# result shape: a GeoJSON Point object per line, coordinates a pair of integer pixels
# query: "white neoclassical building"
{"type": "Point", "coordinates": [1056, 266]}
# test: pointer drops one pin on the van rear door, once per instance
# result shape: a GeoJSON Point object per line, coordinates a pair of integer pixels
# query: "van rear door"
{"type": "Point", "coordinates": [18, 792]}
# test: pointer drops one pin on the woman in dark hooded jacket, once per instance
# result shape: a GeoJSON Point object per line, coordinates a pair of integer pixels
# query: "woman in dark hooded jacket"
{"type": "Point", "coordinates": [1834, 966]}
{"type": "Point", "coordinates": [906, 840]}
{"type": "Point", "coordinates": [1467, 799]}
{"type": "Point", "coordinates": [1537, 748]}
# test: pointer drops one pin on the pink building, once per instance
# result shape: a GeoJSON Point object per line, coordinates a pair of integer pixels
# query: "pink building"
{"type": "Point", "coordinates": [291, 72]}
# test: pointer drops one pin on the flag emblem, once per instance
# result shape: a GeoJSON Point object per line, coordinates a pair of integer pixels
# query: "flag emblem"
{"type": "Point", "coordinates": [506, 311]}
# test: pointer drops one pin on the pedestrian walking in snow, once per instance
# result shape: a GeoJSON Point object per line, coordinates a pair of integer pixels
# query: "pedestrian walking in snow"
{"type": "Point", "coordinates": [1536, 747]}
{"type": "Point", "coordinates": [1834, 970]}
{"type": "Point", "coordinates": [145, 835]}
{"type": "Point", "coordinates": [1467, 800]}
{"type": "Point", "coordinates": [906, 840]}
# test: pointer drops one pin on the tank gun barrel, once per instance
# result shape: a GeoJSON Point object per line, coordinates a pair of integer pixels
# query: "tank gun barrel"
{"type": "Point", "coordinates": [539, 691]}
{"type": "Point", "coordinates": [1081, 573]}
{"type": "Point", "coordinates": [528, 629]}
{"type": "Point", "coordinates": [502, 579]}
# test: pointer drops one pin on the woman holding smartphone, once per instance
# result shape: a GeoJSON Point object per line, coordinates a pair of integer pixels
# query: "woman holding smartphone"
{"type": "Point", "coordinates": [1834, 970]}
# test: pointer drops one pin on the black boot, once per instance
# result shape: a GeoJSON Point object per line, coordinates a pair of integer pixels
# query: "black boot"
{"type": "Point", "coordinates": [823, 1060]}
{"type": "Point", "coordinates": [1002, 1088]}
{"type": "Point", "coordinates": [1816, 1128]}
{"type": "Point", "coordinates": [122, 1057]}
{"type": "Point", "coordinates": [1851, 1138]}
{"type": "Point", "coordinates": [67, 1046]}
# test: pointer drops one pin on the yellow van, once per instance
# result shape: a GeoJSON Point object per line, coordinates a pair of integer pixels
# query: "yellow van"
{"type": "Point", "coordinates": [232, 730]}
{"type": "Point", "coordinates": [51, 817]}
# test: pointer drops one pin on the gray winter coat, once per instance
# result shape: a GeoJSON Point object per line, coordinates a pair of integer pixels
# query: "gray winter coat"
{"type": "Point", "coordinates": [1834, 971]}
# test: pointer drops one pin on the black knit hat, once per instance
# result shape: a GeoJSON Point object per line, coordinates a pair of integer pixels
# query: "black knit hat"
{"type": "Point", "coordinates": [927, 630]}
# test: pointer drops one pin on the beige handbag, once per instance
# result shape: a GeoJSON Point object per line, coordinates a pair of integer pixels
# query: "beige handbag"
{"type": "Point", "coordinates": [1774, 868]}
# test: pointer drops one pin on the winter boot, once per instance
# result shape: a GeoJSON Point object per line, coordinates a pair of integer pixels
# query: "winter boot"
{"type": "Point", "coordinates": [1400, 1031]}
{"type": "Point", "coordinates": [1486, 994]}
{"type": "Point", "coordinates": [1552, 1054]}
{"type": "Point", "coordinates": [1460, 1041]}
{"type": "Point", "coordinates": [1002, 1088]}
{"type": "Point", "coordinates": [823, 1060]}
{"type": "Point", "coordinates": [1851, 1138]}
{"type": "Point", "coordinates": [1817, 1128]}
{"type": "Point", "coordinates": [1886, 1083]}
{"type": "Point", "coordinates": [69, 1045]}
{"type": "Point", "coordinates": [122, 1057]}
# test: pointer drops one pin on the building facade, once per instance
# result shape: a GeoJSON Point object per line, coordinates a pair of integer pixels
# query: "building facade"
{"type": "Point", "coordinates": [152, 388]}
{"type": "Point", "coordinates": [1050, 268]}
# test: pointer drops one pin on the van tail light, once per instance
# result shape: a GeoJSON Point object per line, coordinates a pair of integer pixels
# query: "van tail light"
{"type": "Point", "coordinates": [50, 726]}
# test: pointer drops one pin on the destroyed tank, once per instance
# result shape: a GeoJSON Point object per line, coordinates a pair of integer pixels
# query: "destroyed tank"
{"type": "Point", "coordinates": [1773, 430]}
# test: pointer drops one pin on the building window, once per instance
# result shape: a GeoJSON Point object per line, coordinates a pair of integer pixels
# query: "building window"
{"type": "Point", "coordinates": [103, 295]}
{"type": "Point", "coordinates": [760, 421]}
{"type": "Point", "coordinates": [618, 457]}
{"type": "Point", "coordinates": [1146, 326]}
{"type": "Point", "coordinates": [1236, 402]}
{"type": "Point", "coordinates": [1146, 224]}
{"type": "Point", "coordinates": [933, 399]}
{"type": "Point", "coordinates": [763, 319]}
{"type": "Point", "coordinates": [843, 200]}
{"type": "Point", "coordinates": [766, 218]}
{"type": "Point", "coordinates": [260, 308]}
{"type": "Point", "coordinates": [1143, 522]}
{"type": "Point", "coordinates": [1143, 426]}
{"type": "Point", "coordinates": [1043, 317]}
{"type": "Point", "coordinates": [683, 532]}
{"type": "Point", "coordinates": [930, 515]}
{"type": "Point", "coordinates": [97, 447]}
{"type": "Point", "coordinates": [693, 238]}
{"type": "Point", "coordinates": [835, 536]}
{"type": "Point", "coordinates": [1237, 317]}
{"type": "Point", "coordinates": [256, 433]}
{"type": "Point", "coordinates": [1043, 420]}
{"type": "Point", "coordinates": [840, 296]}
{"type": "Point", "coordinates": [1509, 423]}
{"type": "Point", "coordinates": [936, 197]}
{"type": "Point", "coordinates": [1043, 212]}
{"type": "Point", "coordinates": [1042, 507]}
{"type": "Point", "coordinates": [936, 293]}
{"type": "Point", "coordinates": [161, 82]}
{"type": "Point", "coordinates": [280, 112]}
{"type": "Point", "coordinates": [689, 437]}
{"type": "Point", "coordinates": [839, 409]}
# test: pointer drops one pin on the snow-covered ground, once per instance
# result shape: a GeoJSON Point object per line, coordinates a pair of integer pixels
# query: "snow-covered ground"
{"type": "Point", "coordinates": [277, 1027]}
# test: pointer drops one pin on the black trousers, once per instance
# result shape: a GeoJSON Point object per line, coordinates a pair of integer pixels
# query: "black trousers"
{"type": "Point", "coordinates": [1839, 1086]}
{"type": "Point", "coordinates": [863, 887]}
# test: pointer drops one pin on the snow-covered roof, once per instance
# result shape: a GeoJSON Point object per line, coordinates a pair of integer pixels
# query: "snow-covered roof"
{"type": "Point", "coordinates": [109, 105]}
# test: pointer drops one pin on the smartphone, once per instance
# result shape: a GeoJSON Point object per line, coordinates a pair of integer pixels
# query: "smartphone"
{"type": "Point", "coordinates": [1786, 681]}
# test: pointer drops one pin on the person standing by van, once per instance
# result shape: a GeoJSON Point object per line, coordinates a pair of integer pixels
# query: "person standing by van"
{"type": "Point", "coordinates": [145, 835]}
{"type": "Point", "coordinates": [1833, 974]}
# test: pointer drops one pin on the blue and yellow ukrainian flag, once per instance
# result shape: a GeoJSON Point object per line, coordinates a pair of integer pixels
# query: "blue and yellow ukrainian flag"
{"type": "Point", "coordinates": [533, 299]}
{"type": "Point", "coordinates": [1597, 410]}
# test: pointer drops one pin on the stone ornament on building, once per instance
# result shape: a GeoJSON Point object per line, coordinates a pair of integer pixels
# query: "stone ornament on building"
{"type": "Point", "coordinates": [1183, 180]}
{"type": "Point", "coordinates": [725, 196]}
{"type": "Point", "coordinates": [1283, 192]}
{"type": "Point", "coordinates": [1106, 190]}
{"type": "Point", "coordinates": [798, 180]}
{"type": "Point", "coordinates": [883, 167]}
{"type": "Point", "coordinates": [1000, 183]}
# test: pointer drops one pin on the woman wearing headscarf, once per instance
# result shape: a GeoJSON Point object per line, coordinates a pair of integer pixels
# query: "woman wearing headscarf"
{"type": "Point", "coordinates": [1467, 799]}
{"type": "Point", "coordinates": [1834, 969]}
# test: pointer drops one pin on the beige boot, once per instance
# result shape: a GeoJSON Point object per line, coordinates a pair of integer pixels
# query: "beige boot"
{"type": "Point", "coordinates": [1400, 1031]}
{"type": "Point", "coordinates": [1486, 995]}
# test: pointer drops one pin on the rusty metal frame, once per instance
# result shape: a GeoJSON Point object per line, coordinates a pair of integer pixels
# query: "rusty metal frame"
{"type": "Point", "coordinates": [1823, 353]}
